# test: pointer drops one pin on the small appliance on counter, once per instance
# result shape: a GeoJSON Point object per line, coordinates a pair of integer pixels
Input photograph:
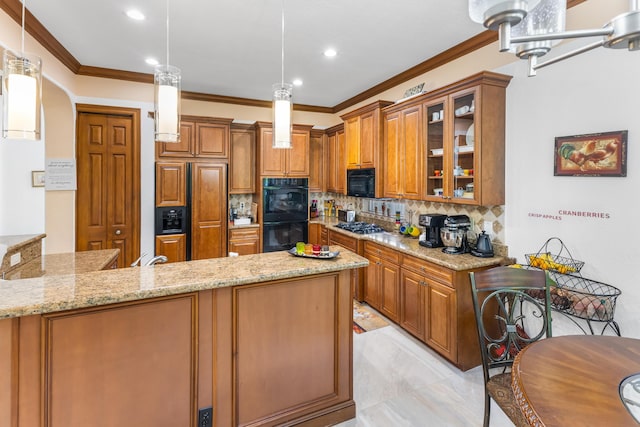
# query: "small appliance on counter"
{"type": "Point", "coordinates": [346, 215]}
{"type": "Point", "coordinates": [432, 223]}
{"type": "Point", "coordinates": [484, 248]}
{"type": "Point", "coordinates": [454, 234]}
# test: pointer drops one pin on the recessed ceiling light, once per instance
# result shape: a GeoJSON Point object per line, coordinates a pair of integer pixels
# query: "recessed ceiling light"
{"type": "Point", "coordinates": [297, 82]}
{"type": "Point", "coordinates": [329, 53]}
{"type": "Point", "coordinates": [151, 61]}
{"type": "Point", "coordinates": [135, 14]}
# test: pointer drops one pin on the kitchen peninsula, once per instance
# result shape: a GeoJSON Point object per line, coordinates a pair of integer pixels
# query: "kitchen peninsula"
{"type": "Point", "coordinates": [261, 339]}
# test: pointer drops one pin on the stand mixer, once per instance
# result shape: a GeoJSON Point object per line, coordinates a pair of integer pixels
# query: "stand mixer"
{"type": "Point", "coordinates": [454, 234]}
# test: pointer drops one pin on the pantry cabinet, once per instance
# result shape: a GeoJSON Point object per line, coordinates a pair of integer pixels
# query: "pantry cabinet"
{"type": "Point", "coordinates": [288, 162]}
{"type": "Point", "coordinates": [402, 153]}
{"type": "Point", "coordinates": [336, 171]}
{"type": "Point", "coordinates": [382, 284]}
{"type": "Point", "coordinates": [204, 137]}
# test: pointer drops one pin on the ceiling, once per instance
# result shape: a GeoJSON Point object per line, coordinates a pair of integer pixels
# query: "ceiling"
{"type": "Point", "coordinates": [233, 47]}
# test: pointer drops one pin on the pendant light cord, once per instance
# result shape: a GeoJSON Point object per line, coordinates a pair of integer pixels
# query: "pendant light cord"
{"type": "Point", "coordinates": [282, 46]}
{"type": "Point", "coordinates": [23, 10]}
{"type": "Point", "coordinates": [167, 32]}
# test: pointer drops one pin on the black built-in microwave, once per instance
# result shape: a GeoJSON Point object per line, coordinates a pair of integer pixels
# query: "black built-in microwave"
{"type": "Point", "coordinates": [361, 183]}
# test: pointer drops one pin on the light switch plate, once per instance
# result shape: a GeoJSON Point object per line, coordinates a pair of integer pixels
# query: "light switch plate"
{"type": "Point", "coordinates": [15, 259]}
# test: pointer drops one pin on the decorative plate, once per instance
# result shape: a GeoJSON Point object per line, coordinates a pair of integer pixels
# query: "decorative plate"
{"type": "Point", "coordinates": [470, 136]}
{"type": "Point", "coordinates": [331, 255]}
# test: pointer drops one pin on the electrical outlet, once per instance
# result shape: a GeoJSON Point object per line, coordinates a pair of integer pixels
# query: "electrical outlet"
{"type": "Point", "coordinates": [488, 227]}
{"type": "Point", "coordinates": [205, 417]}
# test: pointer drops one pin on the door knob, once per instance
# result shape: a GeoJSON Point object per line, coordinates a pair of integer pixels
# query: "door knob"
{"type": "Point", "coordinates": [118, 232]}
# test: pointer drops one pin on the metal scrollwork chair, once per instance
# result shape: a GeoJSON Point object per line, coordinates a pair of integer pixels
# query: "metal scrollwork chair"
{"type": "Point", "coordinates": [512, 309]}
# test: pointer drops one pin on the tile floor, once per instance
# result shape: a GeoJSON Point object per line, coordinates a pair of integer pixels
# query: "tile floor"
{"type": "Point", "coordinates": [399, 382]}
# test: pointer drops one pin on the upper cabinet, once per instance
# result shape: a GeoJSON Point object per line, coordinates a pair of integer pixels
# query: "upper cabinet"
{"type": "Point", "coordinates": [363, 132]}
{"type": "Point", "coordinates": [403, 152]}
{"type": "Point", "coordinates": [335, 172]}
{"type": "Point", "coordinates": [465, 132]}
{"type": "Point", "coordinates": [316, 161]}
{"type": "Point", "coordinates": [204, 137]}
{"type": "Point", "coordinates": [448, 143]}
{"type": "Point", "coordinates": [242, 159]}
{"type": "Point", "coordinates": [283, 162]}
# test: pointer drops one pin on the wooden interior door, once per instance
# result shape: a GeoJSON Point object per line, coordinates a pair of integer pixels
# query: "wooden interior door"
{"type": "Point", "coordinates": [108, 171]}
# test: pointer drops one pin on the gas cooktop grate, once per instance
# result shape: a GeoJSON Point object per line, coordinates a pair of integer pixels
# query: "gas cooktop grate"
{"type": "Point", "coordinates": [360, 227]}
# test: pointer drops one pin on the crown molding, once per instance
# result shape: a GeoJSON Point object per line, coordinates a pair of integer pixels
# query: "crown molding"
{"type": "Point", "coordinates": [13, 8]}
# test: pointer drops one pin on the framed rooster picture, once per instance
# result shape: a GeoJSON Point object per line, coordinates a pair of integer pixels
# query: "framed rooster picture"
{"type": "Point", "coordinates": [596, 154]}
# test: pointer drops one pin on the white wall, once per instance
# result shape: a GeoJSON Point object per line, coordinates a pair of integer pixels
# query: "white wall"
{"type": "Point", "coordinates": [21, 205]}
{"type": "Point", "coordinates": [594, 92]}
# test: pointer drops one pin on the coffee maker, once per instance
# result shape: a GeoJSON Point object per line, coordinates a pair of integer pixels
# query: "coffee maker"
{"type": "Point", "coordinates": [432, 224]}
{"type": "Point", "coordinates": [454, 234]}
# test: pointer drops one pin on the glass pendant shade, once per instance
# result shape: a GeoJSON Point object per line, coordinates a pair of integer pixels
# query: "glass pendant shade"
{"type": "Point", "coordinates": [282, 111]}
{"type": "Point", "coordinates": [548, 17]}
{"type": "Point", "coordinates": [22, 100]}
{"type": "Point", "coordinates": [491, 13]}
{"type": "Point", "coordinates": [167, 103]}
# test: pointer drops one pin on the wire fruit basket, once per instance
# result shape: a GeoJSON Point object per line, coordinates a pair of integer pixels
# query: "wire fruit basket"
{"type": "Point", "coordinates": [572, 294]}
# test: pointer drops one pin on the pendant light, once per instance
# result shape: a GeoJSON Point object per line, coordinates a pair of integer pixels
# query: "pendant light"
{"type": "Point", "coordinates": [22, 90]}
{"type": "Point", "coordinates": [282, 105]}
{"type": "Point", "coordinates": [166, 80]}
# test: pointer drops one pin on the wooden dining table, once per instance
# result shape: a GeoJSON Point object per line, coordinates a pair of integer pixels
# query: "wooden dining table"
{"type": "Point", "coordinates": [574, 380]}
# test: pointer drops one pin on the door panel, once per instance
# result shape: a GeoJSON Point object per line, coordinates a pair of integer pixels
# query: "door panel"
{"type": "Point", "coordinates": [209, 210]}
{"type": "Point", "coordinates": [108, 176]}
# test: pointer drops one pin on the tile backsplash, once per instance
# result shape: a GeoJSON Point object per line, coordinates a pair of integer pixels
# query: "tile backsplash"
{"type": "Point", "coordinates": [410, 209]}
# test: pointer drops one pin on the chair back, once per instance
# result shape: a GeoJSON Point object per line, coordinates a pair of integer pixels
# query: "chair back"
{"type": "Point", "coordinates": [512, 309]}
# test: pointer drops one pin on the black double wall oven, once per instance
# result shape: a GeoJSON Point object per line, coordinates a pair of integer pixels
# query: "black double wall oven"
{"type": "Point", "coordinates": [285, 212]}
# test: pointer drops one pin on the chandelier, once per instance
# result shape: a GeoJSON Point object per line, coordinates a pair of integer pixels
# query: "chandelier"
{"type": "Point", "coordinates": [529, 28]}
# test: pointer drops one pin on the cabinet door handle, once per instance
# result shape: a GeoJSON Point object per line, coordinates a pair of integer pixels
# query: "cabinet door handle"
{"type": "Point", "coordinates": [118, 232]}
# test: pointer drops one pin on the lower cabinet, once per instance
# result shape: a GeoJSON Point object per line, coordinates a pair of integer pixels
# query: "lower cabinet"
{"type": "Point", "coordinates": [354, 245]}
{"type": "Point", "coordinates": [431, 302]}
{"type": "Point", "coordinates": [173, 246]}
{"type": "Point", "coordinates": [244, 241]}
{"type": "Point", "coordinates": [382, 285]}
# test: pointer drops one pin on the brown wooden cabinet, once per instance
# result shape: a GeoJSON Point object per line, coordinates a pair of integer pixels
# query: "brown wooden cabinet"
{"type": "Point", "coordinates": [464, 131]}
{"type": "Point", "coordinates": [411, 302]}
{"type": "Point", "coordinates": [244, 241]}
{"type": "Point", "coordinates": [291, 163]}
{"type": "Point", "coordinates": [354, 245]}
{"type": "Point", "coordinates": [336, 171]}
{"type": "Point", "coordinates": [363, 132]}
{"type": "Point", "coordinates": [206, 137]}
{"type": "Point", "coordinates": [170, 183]}
{"type": "Point", "coordinates": [242, 163]}
{"type": "Point", "coordinates": [440, 318]}
{"type": "Point", "coordinates": [316, 161]}
{"type": "Point", "coordinates": [173, 246]}
{"type": "Point", "coordinates": [209, 211]}
{"type": "Point", "coordinates": [315, 233]}
{"type": "Point", "coordinates": [403, 153]}
{"type": "Point", "coordinates": [382, 287]}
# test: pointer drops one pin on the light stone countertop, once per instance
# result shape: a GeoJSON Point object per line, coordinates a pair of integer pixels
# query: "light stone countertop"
{"type": "Point", "coordinates": [65, 263]}
{"type": "Point", "coordinates": [49, 294]}
{"type": "Point", "coordinates": [410, 246]}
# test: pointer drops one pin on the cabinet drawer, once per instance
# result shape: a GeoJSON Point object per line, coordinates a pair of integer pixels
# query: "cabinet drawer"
{"type": "Point", "coordinates": [382, 252]}
{"type": "Point", "coordinates": [243, 233]}
{"type": "Point", "coordinates": [350, 243]}
{"type": "Point", "coordinates": [432, 271]}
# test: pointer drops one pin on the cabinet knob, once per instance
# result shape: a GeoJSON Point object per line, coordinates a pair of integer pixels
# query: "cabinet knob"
{"type": "Point", "coordinates": [118, 232]}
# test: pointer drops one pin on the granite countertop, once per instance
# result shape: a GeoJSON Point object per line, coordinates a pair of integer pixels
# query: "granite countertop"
{"type": "Point", "coordinates": [49, 294]}
{"type": "Point", "coordinates": [65, 263]}
{"type": "Point", "coordinates": [410, 246]}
